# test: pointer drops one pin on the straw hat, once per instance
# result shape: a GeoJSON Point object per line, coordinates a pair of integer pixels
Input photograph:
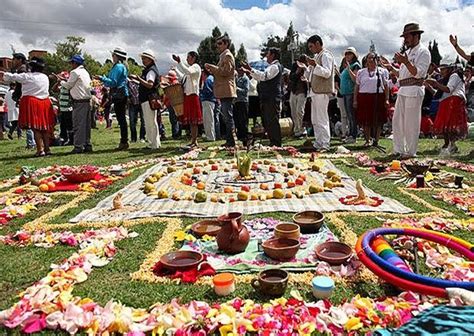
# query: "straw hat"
{"type": "Point", "coordinates": [148, 54]}
{"type": "Point", "coordinates": [119, 52]}
{"type": "Point", "coordinates": [411, 28]}
{"type": "Point", "coordinates": [351, 50]}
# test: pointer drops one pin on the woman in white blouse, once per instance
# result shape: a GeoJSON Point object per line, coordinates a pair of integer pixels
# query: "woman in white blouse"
{"type": "Point", "coordinates": [35, 111]}
{"type": "Point", "coordinates": [189, 73]}
{"type": "Point", "coordinates": [451, 119]}
{"type": "Point", "coordinates": [371, 99]}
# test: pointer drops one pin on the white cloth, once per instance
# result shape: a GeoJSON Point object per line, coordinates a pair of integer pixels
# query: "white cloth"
{"type": "Point", "coordinates": [11, 105]}
{"type": "Point", "coordinates": [151, 126]}
{"type": "Point", "coordinates": [35, 84]}
{"type": "Point", "coordinates": [78, 84]}
{"type": "Point", "coordinates": [420, 57]}
{"type": "Point", "coordinates": [297, 104]}
{"type": "Point", "coordinates": [270, 72]}
{"type": "Point", "coordinates": [406, 125]}
{"type": "Point", "coordinates": [456, 87]}
{"type": "Point", "coordinates": [151, 76]}
{"type": "Point", "coordinates": [367, 80]}
{"type": "Point", "coordinates": [208, 120]}
{"type": "Point", "coordinates": [320, 121]}
{"type": "Point", "coordinates": [253, 87]}
{"type": "Point", "coordinates": [344, 121]}
{"type": "Point", "coordinates": [190, 75]}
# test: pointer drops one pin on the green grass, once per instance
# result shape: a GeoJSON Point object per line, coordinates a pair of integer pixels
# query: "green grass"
{"type": "Point", "coordinates": [21, 267]}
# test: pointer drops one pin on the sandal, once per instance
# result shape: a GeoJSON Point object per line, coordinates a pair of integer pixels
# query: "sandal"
{"type": "Point", "coordinates": [39, 154]}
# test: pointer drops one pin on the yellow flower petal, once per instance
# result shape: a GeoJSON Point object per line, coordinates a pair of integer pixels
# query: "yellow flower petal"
{"type": "Point", "coordinates": [353, 324]}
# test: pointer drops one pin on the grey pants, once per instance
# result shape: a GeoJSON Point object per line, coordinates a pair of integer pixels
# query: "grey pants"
{"type": "Point", "coordinates": [81, 124]}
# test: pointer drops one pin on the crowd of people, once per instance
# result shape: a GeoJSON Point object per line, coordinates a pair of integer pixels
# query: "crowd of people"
{"type": "Point", "coordinates": [364, 97]}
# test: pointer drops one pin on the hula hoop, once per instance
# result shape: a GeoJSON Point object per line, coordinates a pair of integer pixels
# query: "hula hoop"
{"type": "Point", "coordinates": [405, 279]}
{"type": "Point", "coordinates": [397, 281]}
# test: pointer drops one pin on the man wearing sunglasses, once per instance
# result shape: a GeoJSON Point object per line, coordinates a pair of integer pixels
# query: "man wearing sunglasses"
{"type": "Point", "coordinates": [224, 85]}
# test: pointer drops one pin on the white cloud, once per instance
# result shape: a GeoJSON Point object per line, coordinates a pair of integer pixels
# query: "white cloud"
{"type": "Point", "coordinates": [176, 27]}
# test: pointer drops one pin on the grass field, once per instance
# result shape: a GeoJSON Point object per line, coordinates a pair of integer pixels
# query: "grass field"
{"type": "Point", "coordinates": [20, 267]}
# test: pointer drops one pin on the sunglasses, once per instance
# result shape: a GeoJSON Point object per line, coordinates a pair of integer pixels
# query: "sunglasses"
{"type": "Point", "coordinates": [219, 43]}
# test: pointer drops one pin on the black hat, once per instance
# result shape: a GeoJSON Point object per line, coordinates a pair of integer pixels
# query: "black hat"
{"type": "Point", "coordinates": [38, 62]}
{"type": "Point", "coordinates": [19, 56]}
{"type": "Point", "coordinates": [411, 28]}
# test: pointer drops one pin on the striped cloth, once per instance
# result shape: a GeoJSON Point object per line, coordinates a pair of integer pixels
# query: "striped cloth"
{"type": "Point", "coordinates": [148, 206]}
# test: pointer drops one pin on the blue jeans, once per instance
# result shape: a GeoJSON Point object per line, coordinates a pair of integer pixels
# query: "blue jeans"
{"type": "Point", "coordinates": [351, 117]}
{"type": "Point", "coordinates": [227, 113]}
{"type": "Point", "coordinates": [30, 138]}
{"type": "Point", "coordinates": [175, 126]}
{"type": "Point", "coordinates": [133, 112]}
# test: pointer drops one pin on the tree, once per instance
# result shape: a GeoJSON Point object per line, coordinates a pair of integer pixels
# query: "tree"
{"type": "Point", "coordinates": [58, 61]}
{"type": "Point", "coordinates": [289, 45]}
{"type": "Point", "coordinates": [207, 48]}
{"type": "Point", "coordinates": [241, 55]}
{"type": "Point", "coordinates": [434, 51]}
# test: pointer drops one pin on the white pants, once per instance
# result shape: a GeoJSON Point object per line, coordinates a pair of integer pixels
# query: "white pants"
{"type": "Point", "coordinates": [320, 121]}
{"type": "Point", "coordinates": [406, 125]}
{"type": "Point", "coordinates": [151, 126]}
{"type": "Point", "coordinates": [297, 103]}
{"type": "Point", "coordinates": [344, 123]}
{"type": "Point", "coordinates": [208, 120]}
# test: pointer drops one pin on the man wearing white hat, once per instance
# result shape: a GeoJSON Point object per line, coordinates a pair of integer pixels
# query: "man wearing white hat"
{"type": "Point", "coordinates": [413, 69]}
{"type": "Point", "coordinates": [148, 83]}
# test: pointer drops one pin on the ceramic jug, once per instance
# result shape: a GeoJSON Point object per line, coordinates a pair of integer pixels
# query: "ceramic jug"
{"type": "Point", "coordinates": [234, 237]}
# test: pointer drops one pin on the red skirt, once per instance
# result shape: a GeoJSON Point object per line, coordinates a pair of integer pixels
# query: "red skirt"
{"type": "Point", "coordinates": [366, 114]}
{"type": "Point", "coordinates": [192, 113]}
{"type": "Point", "coordinates": [451, 118]}
{"type": "Point", "coordinates": [35, 113]}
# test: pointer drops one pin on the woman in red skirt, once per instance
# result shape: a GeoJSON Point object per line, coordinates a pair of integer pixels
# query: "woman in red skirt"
{"type": "Point", "coordinates": [35, 111]}
{"type": "Point", "coordinates": [371, 99]}
{"type": "Point", "coordinates": [451, 119]}
{"type": "Point", "coordinates": [189, 73]}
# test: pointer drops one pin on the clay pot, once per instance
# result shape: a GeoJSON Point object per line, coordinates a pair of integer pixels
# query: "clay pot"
{"type": "Point", "coordinates": [281, 248]}
{"type": "Point", "coordinates": [206, 227]}
{"type": "Point", "coordinates": [287, 230]}
{"type": "Point", "coordinates": [334, 253]}
{"type": "Point", "coordinates": [271, 282]}
{"type": "Point", "coordinates": [180, 260]}
{"type": "Point", "coordinates": [234, 237]}
{"type": "Point", "coordinates": [309, 221]}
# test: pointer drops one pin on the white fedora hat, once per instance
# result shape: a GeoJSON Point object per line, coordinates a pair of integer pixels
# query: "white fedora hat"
{"type": "Point", "coordinates": [119, 52]}
{"type": "Point", "coordinates": [148, 54]}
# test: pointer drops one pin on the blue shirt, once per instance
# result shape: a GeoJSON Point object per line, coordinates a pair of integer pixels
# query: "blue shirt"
{"type": "Point", "coordinates": [347, 85]}
{"type": "Point", "coordinates": [207, 93]}
{"type": "Point", "coordinates": [117, 77]}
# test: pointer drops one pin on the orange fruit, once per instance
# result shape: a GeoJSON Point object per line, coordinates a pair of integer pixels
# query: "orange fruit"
{"type": "Point", "coordinates": [43, 187]}
{"type": "Point", "coordinates": [51, 185]}
{"type": "Point", "coordinates": [201, 185]}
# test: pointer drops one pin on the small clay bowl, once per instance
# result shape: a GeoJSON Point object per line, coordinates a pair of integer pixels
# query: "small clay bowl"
{"type": "Point", "coordinates": [334, 253]}
{"type": "Point", "coordinates": [287, 230]}
{"type": "Point", "coordinates": [179, 260]}
{"type": "Point", "coordinates": [206, 227]}
{"type": "Point", "coordinates": [281, 248]}
{"type": "Point", "coordinates": [309, 221]}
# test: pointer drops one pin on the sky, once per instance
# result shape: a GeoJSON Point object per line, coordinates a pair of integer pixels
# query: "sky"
{"type": "Point", "coordinates": [168, 27]}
